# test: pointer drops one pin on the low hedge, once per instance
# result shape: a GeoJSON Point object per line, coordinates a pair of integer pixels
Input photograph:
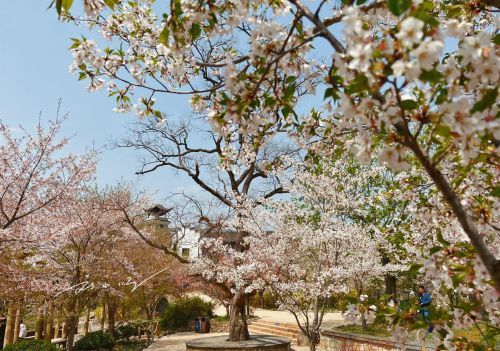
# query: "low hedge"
{"type": "Point", "coordinates": [180, 315]}
{"type": "Point", "coordinates": [96, 341]}
{"type": "Point", "coordinates": [31, 345]}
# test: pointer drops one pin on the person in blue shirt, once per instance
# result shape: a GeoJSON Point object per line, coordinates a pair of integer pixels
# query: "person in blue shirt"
{"type": "Point", "coordinates": [424, 301]}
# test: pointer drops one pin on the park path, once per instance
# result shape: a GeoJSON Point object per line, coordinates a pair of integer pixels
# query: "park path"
{"type": "Point", "coordinates": [177, 342]}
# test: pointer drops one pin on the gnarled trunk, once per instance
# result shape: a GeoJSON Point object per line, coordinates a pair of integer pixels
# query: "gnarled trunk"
{"type": "Point", "coordinates": [238, 327]}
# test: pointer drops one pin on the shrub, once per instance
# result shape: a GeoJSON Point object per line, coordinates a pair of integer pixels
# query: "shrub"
{"type": "Point", "coordinates": [97, 341]}
{"type": "Point", "coordinates": [126, 331]}
{"type": "Point", "coordinates": [31, 345]}
{"type": "Point", "coordinates": [180, 315]}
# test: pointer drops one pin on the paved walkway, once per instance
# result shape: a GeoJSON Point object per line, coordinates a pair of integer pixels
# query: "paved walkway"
{"type": "Point", "coordinates": [177, 342]}
{"type": "Point", "coordinates": [331, 318]}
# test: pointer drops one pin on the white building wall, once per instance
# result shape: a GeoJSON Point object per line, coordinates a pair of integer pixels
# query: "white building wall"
{"type": "Point", "coordinates": [189, 239]}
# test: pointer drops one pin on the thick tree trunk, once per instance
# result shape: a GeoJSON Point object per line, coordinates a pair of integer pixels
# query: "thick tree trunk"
{"type": "Point", "coordinates": [238, 327]}
{"type": "Point", "coordinates": [112, 308]}
{"type": "Point", "coordinates": [65, 330]}
{"type": "Point", "coordinates": [391, 286]}
{"type": "Point", "coordinates": [72, 325]}
{"type": "Point", "coordinates": [103, 316]}
{"type": "Point", "coordinates": [87, 321]}
{"type": "Point", "coordinates": [49, 330]}
{"type": "Point", "coordinates": [9, 329]}
{"type": "Point", "coordinates": [57, 334]}
{"type": "Point", "coordinates": [39, 327]}
{"type": "Point", "coordinates": [247, 303]}
{"type": "Point", "coordinates": [17, 324]}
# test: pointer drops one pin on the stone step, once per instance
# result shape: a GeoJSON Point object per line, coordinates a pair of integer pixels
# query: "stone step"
{"type": "Point", "coordinates": [275, 326]}
{"type": "Point", "coordinates": [262, 331]}
{"type": "Point", "coordinates": [265, 328]}
{"type": "Point", "coordinates": [277, 329]}
{"type": "Point", "coordinates": [288, 325]}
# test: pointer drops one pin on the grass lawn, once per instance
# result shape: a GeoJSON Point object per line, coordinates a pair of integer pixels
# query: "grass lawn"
{"type": "Point", "coordinates": [373, 330]}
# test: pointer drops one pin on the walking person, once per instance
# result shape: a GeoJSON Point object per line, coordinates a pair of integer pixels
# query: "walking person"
{"type": "Point", "coordinates": [424, 301]}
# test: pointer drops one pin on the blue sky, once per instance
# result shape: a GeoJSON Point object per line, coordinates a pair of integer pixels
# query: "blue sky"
{"type": "Point", "coordinates": [34, 61]}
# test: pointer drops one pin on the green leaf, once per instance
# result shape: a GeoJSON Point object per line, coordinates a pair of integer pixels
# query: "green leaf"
{"type": "Point", "coordinates": [360, 2]}
{"type": "Point", "coordinates": [496, 192]}
{"type": "Point", "coordinates": [164, 36]}
{"type": "Point", "coordinates": [195, 31]}
{"type": "Point", "coordinates": [442, 240]}
{"type": "Point", "coordinates": [409, 104]}
{"type": "Point", "coordinates": [488, 99]}
{"type": "Point", "coordinates": [59, 6]}
{"type": "Point", "coordinates": [397, 7]}
{"type": "Point", "coordinates": [443, 130]}
{"type": "Point", "coordinates": [286, 110]}
{"type": "Point", "coordinates": [435, 249]}
{"type": "Point", "coordinates": [289, 91]}
{"type": "Point", "coordinates": [358, 84]}
{"type": "Point", "coordinates": [426, 18]}
{"type": "Point", "coordinates": [177, 8]}
{"type": "Point", "coordinates": [458, 278]}
{"type": "Point", "coordinates": [300, 27]}
{"type": "Point", "coordinates": [111, 3]}
{"type": "Point", "coordinates": [496, 39]}
{"type": "Point", "coordinates": [414, 268]}
{"type": "Point", "coordinates": [66, 4]}
{"type": "Point", "coordinates": [431, 76]}
{"type": "Point", "coordinates": [328, 93]}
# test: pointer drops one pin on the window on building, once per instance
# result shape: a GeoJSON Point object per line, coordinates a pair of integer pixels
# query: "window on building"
{"type": "Point", "coordinates": [185, 252]}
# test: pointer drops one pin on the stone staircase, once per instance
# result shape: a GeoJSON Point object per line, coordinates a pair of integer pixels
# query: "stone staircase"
{"type": "Point", "coordinates": [274, 328]}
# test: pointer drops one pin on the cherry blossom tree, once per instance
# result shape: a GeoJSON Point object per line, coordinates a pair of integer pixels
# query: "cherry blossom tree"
{"type": "Point", "coordinates": [85, 253]}
{"type": "Point", "coordinates": [34, 179]}
{"type": "Point", "coordinates": [303, 250]}
{"type": "Point", "coordinates": [414, 84]}
{"type": "Point", "coordinates": [386, 83]}
{"type": "Point", "coordinates": [36, 182]}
